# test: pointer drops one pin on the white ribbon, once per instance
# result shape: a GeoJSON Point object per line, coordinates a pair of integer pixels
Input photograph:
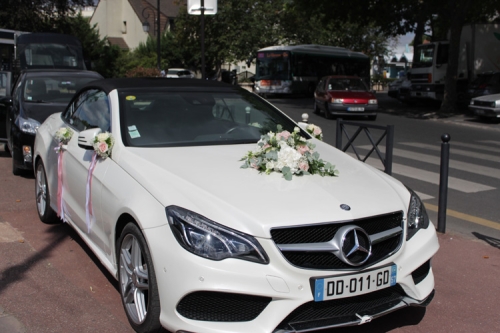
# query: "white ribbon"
{"type": "Point", "coordinates": [89, 212]}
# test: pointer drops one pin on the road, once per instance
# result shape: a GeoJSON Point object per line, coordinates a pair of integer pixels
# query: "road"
{"type": "Point", "coordinates": [474, 167]}
{"type": "Point", "coordinates": [51, 282]}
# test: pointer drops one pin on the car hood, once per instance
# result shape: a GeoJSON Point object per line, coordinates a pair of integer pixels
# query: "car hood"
{"type": "Point", "coordinates": [41, 111]}
{"type": "Point", "coordinates": [488, 98]}
{"type": "Point", "coordinates": [209, 180]}
{"type": "Point", "coordinates": [352, 97]}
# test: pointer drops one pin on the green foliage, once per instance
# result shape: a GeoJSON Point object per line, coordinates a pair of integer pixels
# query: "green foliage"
{"type": "Point", "coordinates": [36, 15]}
{"type": "Point", "coordinates": [143, 72]}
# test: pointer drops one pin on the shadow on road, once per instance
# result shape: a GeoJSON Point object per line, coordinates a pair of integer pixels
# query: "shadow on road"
{"type": "Point", "coordinates": [402, 318]}
{"type": "Point", "coordinates": [495, 242]}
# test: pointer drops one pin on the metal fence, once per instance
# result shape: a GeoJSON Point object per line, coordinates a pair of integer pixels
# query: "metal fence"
{"type": "Point", "coordinates": [387, 133]}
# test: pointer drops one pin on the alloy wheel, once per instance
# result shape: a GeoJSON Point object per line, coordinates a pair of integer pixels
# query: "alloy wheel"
{"type": "Point", "coordinates": [134, 279]}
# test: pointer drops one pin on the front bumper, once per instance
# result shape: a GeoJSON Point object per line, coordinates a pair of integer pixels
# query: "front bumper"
{"type": "Point", "coordinates": [279, 294]}
{"type": "Point", "coordinates": [483, 111]}
{"type": "Point", "coordinates": [352, 109]}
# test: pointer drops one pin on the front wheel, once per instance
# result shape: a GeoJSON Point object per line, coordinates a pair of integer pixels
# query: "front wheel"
{"type": "Point", "coordinates": [16, 171]}
{"type": "Point", "coordinates": [137, 281]}
{"type": "Point", "coordinates": [315, 108]}
{"type": "Point", "coordinates": [328, 115]}
{"type": "Point", "coordinates": [42, 195]}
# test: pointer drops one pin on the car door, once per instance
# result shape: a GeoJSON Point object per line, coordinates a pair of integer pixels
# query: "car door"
{"type": "Point", "coordinates": [5, 87]}
{"type": "Point", "coordinates": [89, 110]}
{"type": "Point", "coordinates": [12, 111]}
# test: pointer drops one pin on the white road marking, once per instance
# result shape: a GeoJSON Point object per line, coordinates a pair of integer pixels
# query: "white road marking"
{"type": "Point", "coordinates": [454, 151]}
{"type": "Point", "coordinates": [436, 160]}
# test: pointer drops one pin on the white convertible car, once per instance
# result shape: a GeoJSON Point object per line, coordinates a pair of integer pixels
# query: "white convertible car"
{"type": "Point", "coordinates": [217, 213]}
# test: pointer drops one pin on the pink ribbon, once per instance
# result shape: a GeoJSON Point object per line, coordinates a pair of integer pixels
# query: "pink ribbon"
{"type": "Point", "coordinates": [60, 205]}
{"type": "Point", "coordinates": [89, 212]}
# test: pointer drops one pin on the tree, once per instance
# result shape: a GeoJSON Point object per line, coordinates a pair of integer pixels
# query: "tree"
{"type": "Point", "coordinates": [239, 28]}
{"type": "Point", "coordinates": [101, 54]}
{"type": "Point", "coordinates": [36, 15]}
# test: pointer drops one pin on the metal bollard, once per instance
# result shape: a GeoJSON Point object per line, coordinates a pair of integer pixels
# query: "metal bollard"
{"type": "Point", "coordinates": [443, 182]}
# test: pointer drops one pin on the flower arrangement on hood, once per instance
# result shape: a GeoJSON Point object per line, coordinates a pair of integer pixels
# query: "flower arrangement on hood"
{"type": "Point", "coordinates": [103, 144]}
{"type": "Point", "coordinates": [288, 153]}
{"type": "Point", "coordinates": [63, 135]}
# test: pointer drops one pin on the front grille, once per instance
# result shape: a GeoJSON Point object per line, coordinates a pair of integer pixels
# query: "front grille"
{"type": "Point", "coordinates": [225, 307]}
{"type": "Point", "coordinates": [421, 273]}
{"type": "Point", "coordinates": [336, 312]}
{"type": "Point", "coordinates": [325, 232]}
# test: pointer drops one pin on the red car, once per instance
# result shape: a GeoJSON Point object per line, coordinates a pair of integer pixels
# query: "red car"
{"type": "Point", "coordinates": [344, 96]}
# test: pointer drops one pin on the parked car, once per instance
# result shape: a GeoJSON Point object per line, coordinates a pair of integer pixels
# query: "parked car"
{"type": "Point", "coordinates": [199, 243]}
{"type": "Point", "coordinates": [486, 106]}
{"type": "Point", "coordinates": [394, 86]}
{"type": "Point", "coordinates": [183, 73]}
{"type": "Point", "coordinates": [485, 84]}
{"type": "Point", "coordinates": [36, 95]}
{"type": "Point", "coordinates": [345, 96]}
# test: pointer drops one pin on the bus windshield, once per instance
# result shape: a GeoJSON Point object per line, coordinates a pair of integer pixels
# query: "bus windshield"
{"type": "Point", "coordinates": [423, 56]}
{"type": "Point", "coordinates": [273, 65]}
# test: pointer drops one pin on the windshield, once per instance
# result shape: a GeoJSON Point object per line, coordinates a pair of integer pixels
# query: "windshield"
{"type": "Point", "coordinates": [166, 119]}
{"type": "Point", "coordinates": [424, 56]}
{"type": "Point", "coordinates": [346, 84]}
{"type": "Point", "coordinates": [55, 89]}
{"type": "Point", "coordinates": [273, 65]}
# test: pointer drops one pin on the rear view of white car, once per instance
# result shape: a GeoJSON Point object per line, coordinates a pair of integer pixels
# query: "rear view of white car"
{"type": "Point", "coordinates": [218, 213]}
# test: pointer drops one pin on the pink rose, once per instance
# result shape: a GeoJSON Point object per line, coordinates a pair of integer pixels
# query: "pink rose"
{"type": "Point", "coordinates": [317, 131]}
{"type": "Point", "coordinates": [304, 166]}
{"type": "Point", "coordinates": [267, 145]}
{"type": "Point", "coordinates": [285, 135]}
{"type": "Point", "coordinates": [103, 147]}
{"type": "Point", "coordinates": [302, 149]}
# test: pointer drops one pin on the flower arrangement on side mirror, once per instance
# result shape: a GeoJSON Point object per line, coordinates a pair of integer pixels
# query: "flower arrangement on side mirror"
{"type": "Point", "coordinates": [62, 136]}
{"type": "Point", "coordinates": [288, 153]}
{"type": "Point", "coordinates": [103, 144]}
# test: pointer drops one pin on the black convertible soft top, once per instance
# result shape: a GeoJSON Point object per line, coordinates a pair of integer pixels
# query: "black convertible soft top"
{"type": "Point", "coordinates": [158, 82]}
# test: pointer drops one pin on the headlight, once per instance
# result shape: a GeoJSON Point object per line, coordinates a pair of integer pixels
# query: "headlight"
{"type": "Point", "coordinates": [29, 125]}
{"type": "Point", "coordinates": [417, 216]}
{"type": "Point", "coordinates": [497, 104]}
{"type": "Point", "coordinates": [372, 101]}
{"type": "Point", "coordinates": [211, 240]}
{"type": "Point", "coordinates": [337, 101]}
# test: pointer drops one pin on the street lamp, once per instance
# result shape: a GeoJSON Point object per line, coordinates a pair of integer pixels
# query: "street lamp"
{"type": "Point", "coordinates": [145, 27]}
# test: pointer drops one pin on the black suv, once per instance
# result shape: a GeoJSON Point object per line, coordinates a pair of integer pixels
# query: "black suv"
{"type": "Point", "coordinates": [36, 95]}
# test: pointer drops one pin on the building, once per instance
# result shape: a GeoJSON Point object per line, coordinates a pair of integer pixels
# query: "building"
{"type": "Point", "coordinates": [124, 22]}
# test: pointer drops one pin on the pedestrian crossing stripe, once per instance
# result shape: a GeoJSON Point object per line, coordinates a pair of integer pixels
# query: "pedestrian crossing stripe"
{"type": "Point", "coordinates": [455, 151]}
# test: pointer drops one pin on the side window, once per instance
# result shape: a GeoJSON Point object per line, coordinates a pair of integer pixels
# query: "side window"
{"type": "Point", "coordinates": [89, 110]}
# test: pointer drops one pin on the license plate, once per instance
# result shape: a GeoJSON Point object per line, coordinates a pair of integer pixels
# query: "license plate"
{"type": "Point", "coordinates": [353, 285]}
{"type": "Point", "coordinates": [355, 109]}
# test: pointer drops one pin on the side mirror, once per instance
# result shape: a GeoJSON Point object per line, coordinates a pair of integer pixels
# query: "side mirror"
{"type": "Point", "coordinates": [86, 138]}
{"type": "Point", "coordinates": [6, 101]}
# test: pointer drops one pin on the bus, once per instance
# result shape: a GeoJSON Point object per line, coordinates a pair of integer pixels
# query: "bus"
{"type": "Point", "coordinates": [297, 69]}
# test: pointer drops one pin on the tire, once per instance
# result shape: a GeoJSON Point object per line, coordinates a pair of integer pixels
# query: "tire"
{"type": "Point", "coordinates": [42, 196]}
{"type": "Point", "coordinates": [6, 148]}
{"type": "Point", "coordinates": [137, 281]}
{"type": "Point", "coordinates": [15, 170]}
{"type": "Point", "coordinates": [315, 108]}
{"type": "Point", "coordinates": [328, 115]}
